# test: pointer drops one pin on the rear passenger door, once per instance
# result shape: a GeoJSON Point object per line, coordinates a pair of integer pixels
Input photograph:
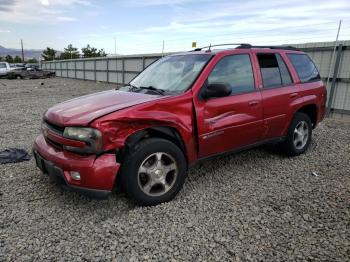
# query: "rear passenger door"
{"type": "Point", "coordinates": [278, 92]}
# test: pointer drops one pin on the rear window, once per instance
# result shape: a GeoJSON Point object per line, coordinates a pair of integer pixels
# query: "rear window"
{"type": "Point", "coordinates": [273, 70]}
{"type": "Point", "coordinates": [305, 68]}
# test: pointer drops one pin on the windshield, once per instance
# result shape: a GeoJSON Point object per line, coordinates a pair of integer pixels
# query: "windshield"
{"type": "Point", "coordinates": [172, 74]}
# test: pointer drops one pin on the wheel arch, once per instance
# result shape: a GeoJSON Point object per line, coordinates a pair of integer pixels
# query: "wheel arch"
{"type": "Point", "coordinates": [311, 111]}
{"type": "Point", "coordinates": [165, 132]}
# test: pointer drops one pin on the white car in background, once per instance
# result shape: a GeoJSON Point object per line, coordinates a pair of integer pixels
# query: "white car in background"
{"type": "Point", "coordinates": [4, 68]}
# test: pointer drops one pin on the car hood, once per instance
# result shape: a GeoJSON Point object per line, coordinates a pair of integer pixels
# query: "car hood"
{"type": "Point", "coordinates": [82, 110]}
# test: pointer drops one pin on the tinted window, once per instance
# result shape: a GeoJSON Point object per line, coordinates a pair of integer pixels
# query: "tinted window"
{"type": "Point", "coordinates": [285, 75]}
{"type": "Point", "coordinates": [273, 70]}
{"type": "Point", "coordinates": [2, 65]}
{"type": "Point", "coordinates": [235, 71]}
{"type": "Point", "coordinates": [305, 68]}
{"type": "Point", "coordinates": [269, 70]}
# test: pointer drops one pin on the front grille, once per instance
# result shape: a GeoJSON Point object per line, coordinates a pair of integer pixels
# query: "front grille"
{"type": "Point", "coordinates": [55, 128]}
{"type": "Point", "coordinates": [54, 144]}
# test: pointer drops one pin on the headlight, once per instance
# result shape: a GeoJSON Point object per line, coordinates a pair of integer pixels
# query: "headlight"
{"type": "Point", "coordinates": [92, 137]}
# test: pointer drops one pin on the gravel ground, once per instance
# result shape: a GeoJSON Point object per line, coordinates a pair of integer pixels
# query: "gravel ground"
{"type": "Point", "coordinates": [256, 205]}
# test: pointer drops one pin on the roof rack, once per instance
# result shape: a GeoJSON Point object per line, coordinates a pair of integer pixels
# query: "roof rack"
{"type": "Point", "coordinates": [210, 46]}
{"type": "Point", "coordinates": [249, 46]}
{"type": "Point", "coordinates": [284, 47]}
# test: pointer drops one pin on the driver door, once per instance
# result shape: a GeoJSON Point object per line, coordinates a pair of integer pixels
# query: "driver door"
{"type": "Point", "coordinates": [231, 122]}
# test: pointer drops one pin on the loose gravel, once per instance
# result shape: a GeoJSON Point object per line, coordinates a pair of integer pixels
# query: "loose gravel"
{"type": "Point", "coordinates": [256, 205]}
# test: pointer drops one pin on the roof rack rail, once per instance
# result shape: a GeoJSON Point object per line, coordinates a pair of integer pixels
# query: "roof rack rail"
{"type": "Point", "coordinates": [284, 47]}
{"type": "Point", "coordinates": [210, 46]}
{"type": "Point", "coordinates": [249, 46]}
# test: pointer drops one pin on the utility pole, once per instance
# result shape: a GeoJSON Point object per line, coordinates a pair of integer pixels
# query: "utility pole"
{"type": "Point", "coordinates": [22, 51]}
{"type": "Point", "coordinates": [163, 49]}
{"type": "Point", "coordinates": [116, 60]}
{"type": "Point", "coordinates": [330, 100]}
{"type": "Point", "coordinates": [335, 47]}
{"type": "Point", "coordinates": [115, 46]}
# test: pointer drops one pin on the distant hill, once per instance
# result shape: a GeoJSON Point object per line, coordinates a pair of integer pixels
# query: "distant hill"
{"type": "Point", "coordinates": [28, 53]}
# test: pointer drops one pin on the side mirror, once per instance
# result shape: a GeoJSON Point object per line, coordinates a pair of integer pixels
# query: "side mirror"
{"type": "Point", "coordinates": [216, 90]}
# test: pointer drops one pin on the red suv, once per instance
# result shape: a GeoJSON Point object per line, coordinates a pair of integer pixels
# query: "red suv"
{"type": "Point", "coordinates": [181, 109]}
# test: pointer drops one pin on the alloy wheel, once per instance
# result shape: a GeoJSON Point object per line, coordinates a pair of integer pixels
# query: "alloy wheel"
{"type": "Point", "coordinates": [300, 135]}
{"type": "Point", "coordinates": [157, 174]}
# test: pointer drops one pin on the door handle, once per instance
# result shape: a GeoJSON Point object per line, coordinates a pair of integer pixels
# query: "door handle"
{"type": "Point", "coordinates": [293, 95]}
{"type": "Point", "coordinates": [253, 103]}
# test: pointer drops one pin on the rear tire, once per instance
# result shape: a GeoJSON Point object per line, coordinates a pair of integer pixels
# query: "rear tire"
{"type": "Point", "coordinates": [153, 171]}
{"type": "Point", "coordinates": [299, 135]}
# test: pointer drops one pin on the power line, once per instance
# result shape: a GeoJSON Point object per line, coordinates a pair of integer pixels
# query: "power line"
{"type": "Point", "coordinates": [251, 33]}
{"type": "Point", "coordinates": [218, 38]}
{"type": "Point", "coordinates": [175, 48]}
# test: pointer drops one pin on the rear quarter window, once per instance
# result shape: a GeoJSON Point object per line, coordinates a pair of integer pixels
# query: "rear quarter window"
{"type": "Point", "coordinates": [305, 68]}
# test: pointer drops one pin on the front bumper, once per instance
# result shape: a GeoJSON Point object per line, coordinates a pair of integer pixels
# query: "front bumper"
{"type": "Point", "coordinates": [97, 174]}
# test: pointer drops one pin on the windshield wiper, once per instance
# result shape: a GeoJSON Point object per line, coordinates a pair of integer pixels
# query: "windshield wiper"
{"type": "Point", "coordinates": [131, 89]}
{"type": "Point", "coordinates": [157, 90]}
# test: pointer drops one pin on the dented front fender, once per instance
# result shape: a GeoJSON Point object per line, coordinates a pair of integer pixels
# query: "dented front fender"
{"type": "Point", "coordinates": [175, 112]}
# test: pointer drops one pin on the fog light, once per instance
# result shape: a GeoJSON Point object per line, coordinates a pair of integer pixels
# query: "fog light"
{"type": "Point", "coordinates": [75, 175]}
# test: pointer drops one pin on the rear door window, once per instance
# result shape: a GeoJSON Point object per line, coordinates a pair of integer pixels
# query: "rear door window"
{"type": "Point", "coordinates": [235, 71]}
{"type": "Point", "coordinates": [305, 68]}
{"type": "Point", "coordinates": [273, 70]}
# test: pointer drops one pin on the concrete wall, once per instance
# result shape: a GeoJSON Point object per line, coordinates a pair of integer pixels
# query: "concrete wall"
{"type": "Point", "coordinates": [122, 69]}
{"type": "Point", "coordinates": [119, 70]}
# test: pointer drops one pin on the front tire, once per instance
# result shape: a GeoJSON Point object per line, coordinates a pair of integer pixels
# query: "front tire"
{"type": "Point", "coordinates": [153, 171]}
{"type": "Point", "coordinates": [299, 135]}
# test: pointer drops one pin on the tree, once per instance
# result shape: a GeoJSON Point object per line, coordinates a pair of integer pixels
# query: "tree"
{"type": "Point", "coordinates": [33, 61]}
{"type": "Point", "coordinates": [102, 52]}
{"type": "Point", "coordinates": [70, 52]}
{"type": "Point", "coordinates": [49, 54]}
{"type": "Point", "coordinates": [17, 59]}
{"type": "Point", "coordinates": [9, 59]}
{"type": "Point", "coordinates": [1, 58]}
{"type": "Point", "coordinates": [89, 51]}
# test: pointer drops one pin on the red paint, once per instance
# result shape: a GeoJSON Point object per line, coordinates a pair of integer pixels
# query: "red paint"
{"type": "Point", "coordinates": [96, 173]}
{"type": "Point", "coordinates": [82, 110]}
{"type": "Point", "coordinates": [205, 127]}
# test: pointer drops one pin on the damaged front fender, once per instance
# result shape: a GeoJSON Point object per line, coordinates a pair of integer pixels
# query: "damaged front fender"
{"type": "Point", "coordinates": [173, 112]}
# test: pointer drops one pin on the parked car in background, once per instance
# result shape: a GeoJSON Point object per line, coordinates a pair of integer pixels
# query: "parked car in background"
{"type": "Point", "coordinates": [30, 73]}
{"type": "Point", "coordinates": [20, 66]}
{"type": "Point", "coordinates": [4, 69]}
{"type": "Point", "coordinates": [33, 67]}
{"type": "Point", "coordinates": [181, 109]}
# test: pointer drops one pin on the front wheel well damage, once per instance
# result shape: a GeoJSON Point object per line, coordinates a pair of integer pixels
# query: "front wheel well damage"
{"type": "Point", "coordinates": [165, 132]}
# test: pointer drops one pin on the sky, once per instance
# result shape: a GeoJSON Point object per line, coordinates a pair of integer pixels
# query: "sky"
{"type": "Point", "coordinates": [134, 27]}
